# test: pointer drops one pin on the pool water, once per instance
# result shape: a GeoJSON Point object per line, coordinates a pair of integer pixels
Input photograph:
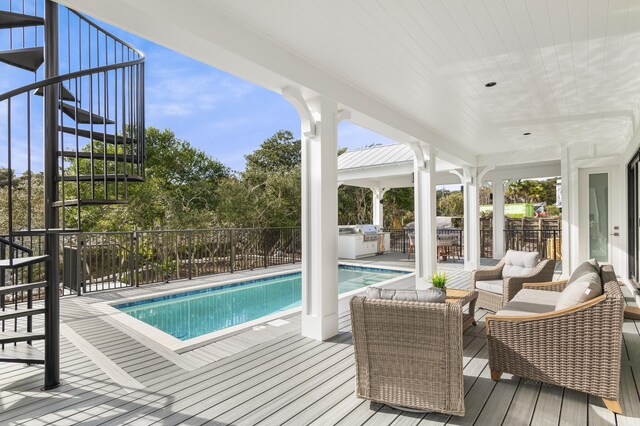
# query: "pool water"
{"type": "Point", "coordinates": [192, 314]}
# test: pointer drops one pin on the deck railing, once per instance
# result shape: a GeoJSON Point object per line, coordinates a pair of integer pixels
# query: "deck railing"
{"type": "Point", "coordinates": [547, 242]}
{"type": "Point", "coordinates": [95, 261]}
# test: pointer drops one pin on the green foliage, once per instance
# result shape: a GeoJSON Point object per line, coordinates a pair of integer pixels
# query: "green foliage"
{"type": "Point", "coordinates": [179, 191]}
{"type": "Point", "coordinates": [19, 196]}
{"type": "Point", "coordinates": [268, 192]}
{"type": "Point", "coordinates": [398, 207]}
{"type": "Point", "coordinates": [279, 153]}
{"type": "Point", "coordinates": [451, 204]}
{"type": "Point", "coordinates": [552, 210]}
{"type": "Point", "coordinates": [354, 205]}
{"type": "Point", "coordinates": [439, 279]}
{"type": "Point", "coordinates": [531, 191]}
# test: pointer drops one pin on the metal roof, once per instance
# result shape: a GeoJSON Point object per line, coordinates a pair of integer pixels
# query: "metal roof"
{"type": "Point", "coordinates": [375, 156]}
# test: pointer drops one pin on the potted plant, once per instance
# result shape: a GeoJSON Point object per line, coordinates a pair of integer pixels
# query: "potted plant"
{"type": "Point", "coordinates": [439, 281]}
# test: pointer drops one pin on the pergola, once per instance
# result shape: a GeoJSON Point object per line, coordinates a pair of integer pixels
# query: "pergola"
{"type": "Point", "coordinates": [381, 168]}
{"type": "Point", "coordinates": [474, 91]}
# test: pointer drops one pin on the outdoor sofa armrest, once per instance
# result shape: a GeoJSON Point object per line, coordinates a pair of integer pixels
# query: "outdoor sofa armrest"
{"type": "Point", "coordinates": [545, 347]}
{"type": "Point", "coordinates": [543, 272]}
{"type": "Point", "coordinates": [547, 286]}
{"type": "Point", "coordinates": [486, 273]}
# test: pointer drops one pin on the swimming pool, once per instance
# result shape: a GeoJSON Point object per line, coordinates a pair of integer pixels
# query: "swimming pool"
{"type": "Point", "coordinates": [195, 313]}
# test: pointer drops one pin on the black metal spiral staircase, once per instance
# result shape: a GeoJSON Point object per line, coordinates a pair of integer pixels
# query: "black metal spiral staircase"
{"type": "Point", "coordinates": [85, 109]}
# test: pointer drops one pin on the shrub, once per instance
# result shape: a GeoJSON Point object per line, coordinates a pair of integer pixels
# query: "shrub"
{"type": "Point", "coordinates": [439, 279]}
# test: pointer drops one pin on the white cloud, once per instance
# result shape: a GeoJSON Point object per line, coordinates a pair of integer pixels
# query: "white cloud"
{"type": "Point", "coordinates": [181, 91]}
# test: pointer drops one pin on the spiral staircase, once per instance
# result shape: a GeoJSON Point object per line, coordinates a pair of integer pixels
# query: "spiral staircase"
{"type": "Point", "coordinates": [74, 137]}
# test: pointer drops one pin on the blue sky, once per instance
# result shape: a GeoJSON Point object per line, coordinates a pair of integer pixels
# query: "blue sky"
{"type": "Point", "coordinates": [223, 115]}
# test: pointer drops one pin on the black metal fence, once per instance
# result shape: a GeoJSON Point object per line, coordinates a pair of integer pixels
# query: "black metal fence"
{"type": "Point", "coordinates": [95, 261]}
{"type": "Point", "coordinates": [547, 242]}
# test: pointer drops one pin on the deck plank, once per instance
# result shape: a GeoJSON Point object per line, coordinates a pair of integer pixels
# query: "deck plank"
{"type": "Point", "coordinates": [275, 376]}
{"type": "Point", "coordinates": [548, 405]}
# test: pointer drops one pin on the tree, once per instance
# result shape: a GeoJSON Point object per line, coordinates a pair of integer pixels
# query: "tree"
{"type": "Point", "coordinates": [354, 205]}
{"type": "Point", "coordinates": [20, 198]}
{"type": "Point", "coordinates": [179, 190]}
{"type": "Point", "coordinates": [398, 207]}
{"type": "Point", "coordinates": [268, 192]}
{"type": "Point", "coordinates": [451, 204]}
{"type": "Point", "coordinates": [279, 153]}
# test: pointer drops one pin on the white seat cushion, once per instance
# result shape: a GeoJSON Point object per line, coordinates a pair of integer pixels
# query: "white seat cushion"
{"type": "Point", "coordinates": [493, 286]}
{"type": "Point", "coordinates": [519, 263]}
{"type": "Point", "coordinates": [584, 288]}
{"type": "Point", "coordinates": [531, 302]}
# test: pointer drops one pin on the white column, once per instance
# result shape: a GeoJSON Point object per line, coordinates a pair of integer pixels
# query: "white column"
{"type": "Point", "coordinates": [566, 179]}
{"type": "Point", "coordinates": [424, 195]}
{"type": "Point", "coordinates": [470, 179]}
{"type": "Point", "coordinates": [319, 215]}
{"type": "Point", "coordinates": [377, 206]}
{"type": "Point", "coordinates": [498, 218]}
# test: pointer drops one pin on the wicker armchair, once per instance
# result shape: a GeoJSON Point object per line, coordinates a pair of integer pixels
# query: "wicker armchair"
{"type": "Point", "coordinates": [409, 354]}
{"type": "Point", "coordinates": [577, 347]}
{"type": "Point", "coordinates": [495, 300]}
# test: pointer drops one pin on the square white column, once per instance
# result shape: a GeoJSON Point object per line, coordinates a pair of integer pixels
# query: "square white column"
{"type": "Point", "coordinates": [471, 222]}
{"type": "Point", "coordinates": [425, 214]}
{"type": "Point", "coordinates": [377, 208]}
{"type": "Point", "coordinates": [320, 226]}
{"type": "Point", "coordinates": [498, 218]}
{"type": "Point", "coordinates": [568, 198]}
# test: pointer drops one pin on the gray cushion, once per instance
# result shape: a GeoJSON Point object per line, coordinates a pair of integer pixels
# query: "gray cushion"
{"type": "Point", "coordinates": [431, 295]}
{"type": "Point", "coordinates": [582, 289]}
{"type": "Point", "coordinates": [530, 302]}
{"type": "Point", "coordinates": [587, 267]}
{"type": "Point", "coordinates": [493, 286]}
{"type": "Point", "coordinates": [519, 263]}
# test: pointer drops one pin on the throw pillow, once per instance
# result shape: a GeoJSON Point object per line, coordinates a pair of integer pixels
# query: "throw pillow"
{"type": "Point", "coordinates": [584, 288]}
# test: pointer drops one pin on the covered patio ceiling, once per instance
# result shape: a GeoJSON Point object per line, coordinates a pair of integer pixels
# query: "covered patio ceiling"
{"type": "Point", "coordinates": [392, 166]}
{"type": "Point", "coordinates": [566, 72]}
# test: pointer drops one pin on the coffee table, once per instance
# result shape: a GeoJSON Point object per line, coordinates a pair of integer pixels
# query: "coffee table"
{"type": "Point", "coordinates": [464, 297]}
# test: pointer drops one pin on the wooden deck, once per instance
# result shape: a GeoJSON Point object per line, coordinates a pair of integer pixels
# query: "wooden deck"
{"type": "Point", "coordinates": [270, 375]}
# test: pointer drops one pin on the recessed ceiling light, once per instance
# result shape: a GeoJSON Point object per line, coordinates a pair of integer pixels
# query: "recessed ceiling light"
{"type": "Point", "coordinates": [526, 133]}
{"type": "Point", "coordinates": [490, 84]}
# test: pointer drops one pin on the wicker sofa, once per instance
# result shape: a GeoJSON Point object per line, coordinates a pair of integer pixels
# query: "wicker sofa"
{"type": "Point", "coordinates": [498, 284]}
{"type": "Point", "coordinates": [578, 347]}
{"type": "Point", "coordinates": [409, 354]}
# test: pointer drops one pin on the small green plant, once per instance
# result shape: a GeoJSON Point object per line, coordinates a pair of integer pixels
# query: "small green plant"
{"type": "Point", "coordinates": [439, 279]}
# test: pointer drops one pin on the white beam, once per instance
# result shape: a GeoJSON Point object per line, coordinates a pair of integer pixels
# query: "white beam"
{"type": "Point", "coordinates": [320, 223]}
{"type": "Point", "coordinates": [424, 196]}
{"type": "Point", "coordinates": [498, 218]}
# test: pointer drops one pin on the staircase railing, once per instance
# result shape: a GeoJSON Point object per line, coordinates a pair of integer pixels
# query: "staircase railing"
{"type": "Point", "coordinates": [87, 105]}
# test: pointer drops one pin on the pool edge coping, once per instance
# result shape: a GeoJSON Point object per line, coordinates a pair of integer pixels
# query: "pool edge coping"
{"type": "Point", "coordinates": [181, 346]}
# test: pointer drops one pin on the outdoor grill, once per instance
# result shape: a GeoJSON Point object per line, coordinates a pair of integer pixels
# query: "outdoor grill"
{"type": "Point", "coordinates": [356, 241]}
{"type": "Point", "coordinates": [369, 232]}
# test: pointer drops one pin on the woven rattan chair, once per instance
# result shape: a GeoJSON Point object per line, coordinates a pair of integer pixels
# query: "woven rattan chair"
{"type": "Point", "coordinates": [577, 347]}
{"type": "Point", "coordinates": [409, 354]}
{"type": "Point", "coordinates": [495, 300]}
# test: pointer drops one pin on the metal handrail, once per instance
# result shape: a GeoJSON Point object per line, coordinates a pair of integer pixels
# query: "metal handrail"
{"type": "Point", "coordinates": [106, 32]}
{"type": "Point", "coordinates": [17, 246]}
{"type": "Point", "coordinates": [65, 77]}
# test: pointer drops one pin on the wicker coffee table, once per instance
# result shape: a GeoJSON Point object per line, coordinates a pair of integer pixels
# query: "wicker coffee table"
{"type": "Point", "coordinates": [465, 297]}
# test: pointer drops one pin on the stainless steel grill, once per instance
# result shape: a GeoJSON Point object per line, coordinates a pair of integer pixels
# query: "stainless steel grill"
{"type": "Point", "coordinates": [369, 232]}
